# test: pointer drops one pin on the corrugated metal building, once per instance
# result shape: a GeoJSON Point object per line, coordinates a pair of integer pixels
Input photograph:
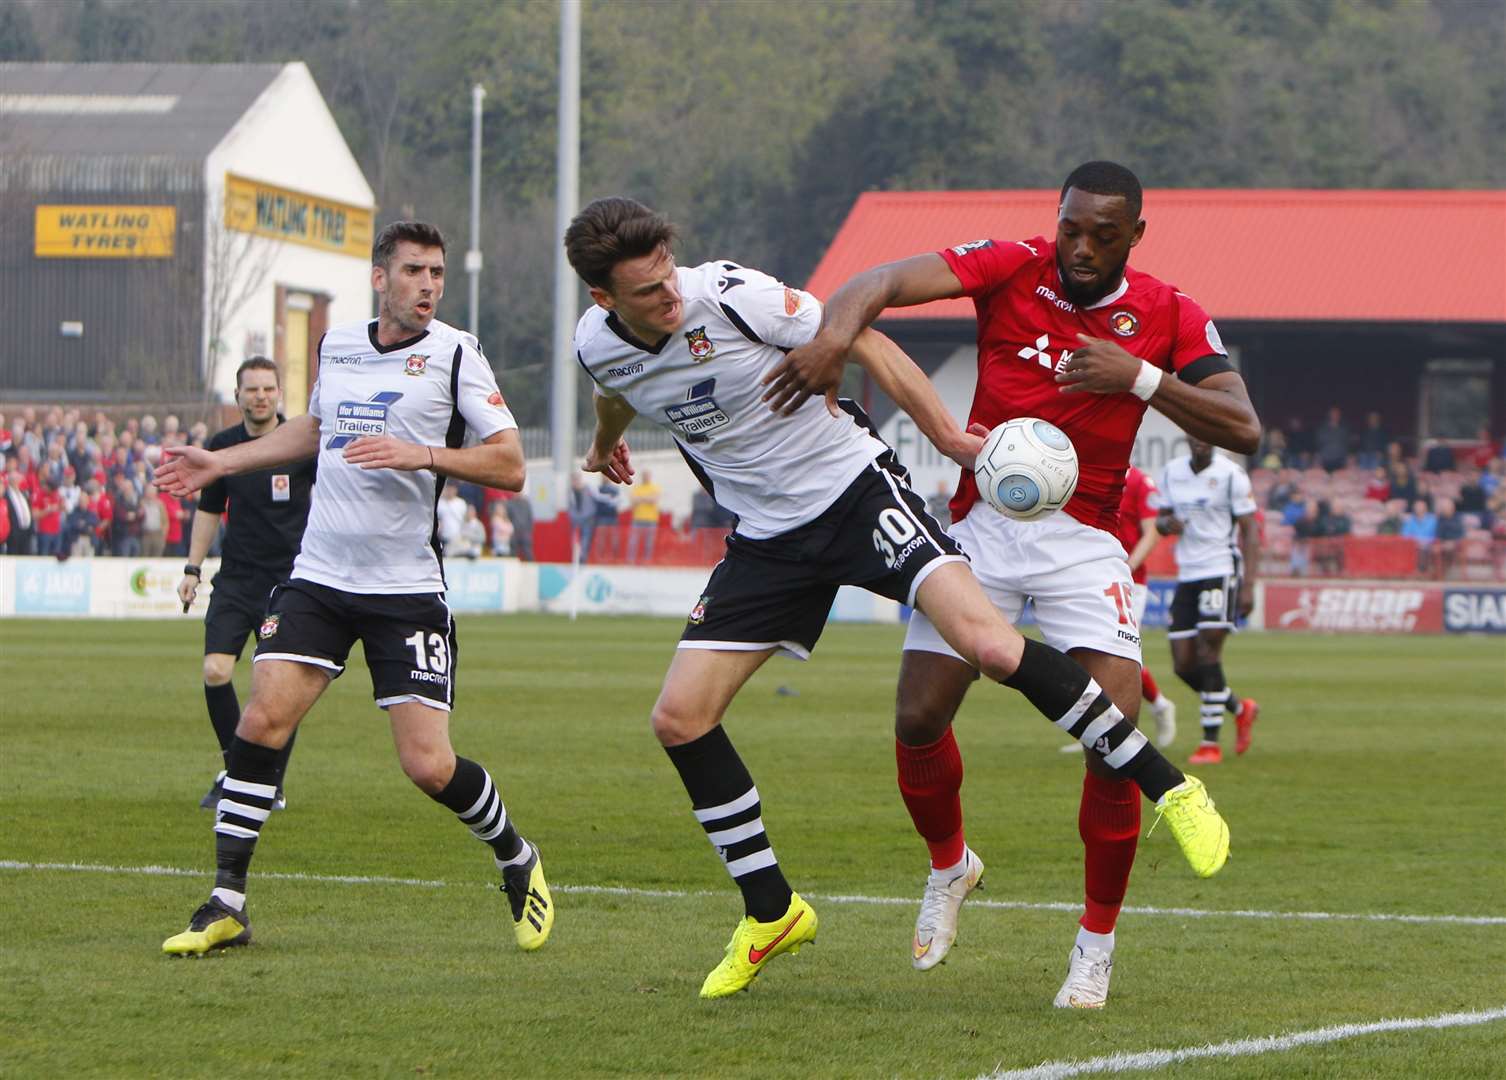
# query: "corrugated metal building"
{"type": "Point", "coordinates": [158, 222]}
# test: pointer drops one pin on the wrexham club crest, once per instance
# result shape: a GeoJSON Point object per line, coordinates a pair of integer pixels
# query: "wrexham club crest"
{"type": "Point", "coordinates": [268, 626]}
{"type": "Point", "coordinates": [698, 613]}
{"type": "Point", "coordinates": [701, 348]}
{"type": "Point", "coordinates": [415, 365]}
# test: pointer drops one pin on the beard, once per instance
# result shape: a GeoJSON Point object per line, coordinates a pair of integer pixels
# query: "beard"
{"type": "Point", "coordinates": [1086, 297]}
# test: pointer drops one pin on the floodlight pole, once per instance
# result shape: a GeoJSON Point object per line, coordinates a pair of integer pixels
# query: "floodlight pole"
{"type": "Point", "coordinates": [473, 256]}
{"type": "Point", "coordinates": [566, 201]}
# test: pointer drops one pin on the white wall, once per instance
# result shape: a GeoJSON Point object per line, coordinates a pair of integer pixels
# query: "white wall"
{"type": "Point", "coordinates": [288, 138]}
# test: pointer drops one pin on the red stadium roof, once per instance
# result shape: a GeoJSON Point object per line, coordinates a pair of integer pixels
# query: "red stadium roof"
{"type": "Point", "coordinates": [1429, 256]}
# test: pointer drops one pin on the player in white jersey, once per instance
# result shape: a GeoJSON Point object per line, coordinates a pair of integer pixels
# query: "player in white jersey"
{"type": "Point", "coordinates": [821, 502]}
{"type": "Point", "coordinates": [402, 403]}
{"type": "Point", "coordinates": [1205, 501]}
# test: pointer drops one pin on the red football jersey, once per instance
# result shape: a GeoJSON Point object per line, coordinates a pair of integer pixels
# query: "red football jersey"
{"type": "Point", "coordinates": [1027, 330]}
{"type": "Point", "coordinates": [1135, 507]}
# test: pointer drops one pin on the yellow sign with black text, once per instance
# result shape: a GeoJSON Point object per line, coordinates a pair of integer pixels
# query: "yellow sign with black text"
{"type": "Point", "coordinates": [105, 232]}
{"type": "Point", "coordinates": [254, 207]}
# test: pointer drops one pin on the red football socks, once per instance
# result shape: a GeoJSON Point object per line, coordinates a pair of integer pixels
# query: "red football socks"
{"type": "Point", "coordinates": [1148, 686]}
{"type": "Point", "coordinates": [1109, 822]}
{"type": "Point", "coordinates": [930, 782]}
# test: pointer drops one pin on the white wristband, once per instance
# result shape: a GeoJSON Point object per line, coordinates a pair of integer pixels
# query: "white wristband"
{"type": "Point", "coordinates": [1147, 382]}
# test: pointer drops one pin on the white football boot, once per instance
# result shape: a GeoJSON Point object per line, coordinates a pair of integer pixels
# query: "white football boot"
{"type": "Point", "coordinates": [936, 926]}
{"type": "Point", "coordinates": [1088, 970]}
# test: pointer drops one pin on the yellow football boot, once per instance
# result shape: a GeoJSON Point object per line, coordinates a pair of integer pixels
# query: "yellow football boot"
{"type": "Point", "coordinates": [755, 943]}
{"type": "Point", "coordinates": [528, 895]}
{"type": "Point", "coordinates": [1201, 831]}
{"type": "Point", "coordinates": [213, 926]}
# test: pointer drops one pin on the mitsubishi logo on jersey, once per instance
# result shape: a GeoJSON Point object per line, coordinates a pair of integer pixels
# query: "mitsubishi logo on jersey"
{"type": "Point", "coordinates": [1041, 354]}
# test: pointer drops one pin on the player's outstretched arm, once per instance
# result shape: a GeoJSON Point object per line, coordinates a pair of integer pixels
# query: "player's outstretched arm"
{"type": "Point", "coordinates": [186, 469]}
{"type": "Point", "coordinates": [901, 378]}
{"type": "Point", "coordinates": [609, 453]}
{"type": "Point", "coordinates": [816, 366]}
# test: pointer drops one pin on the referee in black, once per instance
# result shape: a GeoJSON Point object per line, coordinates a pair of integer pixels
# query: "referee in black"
{"type": "Point", "coordinates": [267, 511]}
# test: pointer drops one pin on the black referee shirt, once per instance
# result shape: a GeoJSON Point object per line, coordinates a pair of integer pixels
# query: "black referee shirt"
{"type": "Point", "coordinates": [267, 511]}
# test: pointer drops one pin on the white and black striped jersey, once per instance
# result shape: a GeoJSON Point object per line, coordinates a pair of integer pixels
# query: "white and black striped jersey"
{"type": "Point", "coordinates": [373, 530]}
{"type": "Point", "coordinates": [1208, 504]}
{"type": "Point", "coordinates": [704, 384]}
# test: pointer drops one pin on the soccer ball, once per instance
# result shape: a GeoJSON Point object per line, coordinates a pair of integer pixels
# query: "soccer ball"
{"type": "Point", "coordinates": [1026, 469]}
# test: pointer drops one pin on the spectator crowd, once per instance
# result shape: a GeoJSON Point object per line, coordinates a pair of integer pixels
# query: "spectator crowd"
{"type": "Point", "coordinates": [83, 486]}
{"type": "Point", "coordinates": [1318, 486]}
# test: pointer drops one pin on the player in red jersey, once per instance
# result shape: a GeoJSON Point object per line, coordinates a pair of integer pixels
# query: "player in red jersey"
{"type": "Point", "coordinates": [1068, 332]}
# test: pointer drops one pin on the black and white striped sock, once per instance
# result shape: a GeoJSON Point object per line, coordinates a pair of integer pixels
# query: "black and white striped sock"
{"type": "Point", "coordinates": [1058, 686]}
{"type": "Point", "coordinates": [249, 789]}
{"type": "Point", "coordinates": [1215, 697]}
{"type": "Point", "coordinates": [727, 805]}
{"type": "Point", "coordinates": [475, 800]}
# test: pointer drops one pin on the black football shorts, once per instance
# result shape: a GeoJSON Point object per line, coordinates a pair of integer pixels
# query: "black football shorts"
{"type": "Point", "coordinates": [409, 639]}
{"type": "Point", "coordinates": [777, 593]}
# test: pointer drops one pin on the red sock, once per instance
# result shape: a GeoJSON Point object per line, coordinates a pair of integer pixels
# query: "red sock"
{"type": "Point", "coordinates": [930, 782]}
{"type": "Point", "coordinates": [1148, 685]}
{"type": "Point", "coordinates": [1109, 821]}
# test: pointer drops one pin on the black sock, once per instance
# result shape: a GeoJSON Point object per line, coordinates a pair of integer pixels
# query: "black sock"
{"type": "Point", "coordinates": [282, 758]}
{"type": "Point", "coordinates": [726, 804]}
{"type": "Point", "coordinates": [1064, 693]}
{"type": "Point", "coordinates": [475, 800]}
{"type": "Point", "coordinates": [224, 713]}
{"type": "Point", "coordinates": [250, 786]}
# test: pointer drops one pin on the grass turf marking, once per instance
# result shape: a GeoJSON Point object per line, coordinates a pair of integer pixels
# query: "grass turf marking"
{"type": "Point", "coordinates": [835, 898]}
{"type": "Point", "coordinates": [1159, 1059]}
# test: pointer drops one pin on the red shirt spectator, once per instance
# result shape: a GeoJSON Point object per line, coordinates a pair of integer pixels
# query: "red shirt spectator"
{"type": "Point", "coordinates": [1481, 454]}
{"type": "Point", "coordinates": [104, 509]}
{"type": "Point", "coordinates": [47, 509]}
{"type": "Point", "coordinates": [173, 510]}
{"type": "Point", "coordinates": [1378, 487]}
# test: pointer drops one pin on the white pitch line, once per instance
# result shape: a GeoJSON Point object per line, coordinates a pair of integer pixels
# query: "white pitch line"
{"type": "Point", "coordinates": [835, 898]}
{"type": "Point", "coordinates": [1159, 1059]}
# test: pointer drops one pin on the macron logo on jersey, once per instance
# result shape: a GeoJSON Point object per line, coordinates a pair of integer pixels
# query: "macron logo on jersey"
{"type": "Point", "coordinates": [356, 419]}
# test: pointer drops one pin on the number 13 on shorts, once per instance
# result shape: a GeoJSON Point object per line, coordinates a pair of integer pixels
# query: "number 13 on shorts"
{"type": "Point", "coordinates": [1122, 594]}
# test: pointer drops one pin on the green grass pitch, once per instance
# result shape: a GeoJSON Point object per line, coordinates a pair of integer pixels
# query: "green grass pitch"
{"type": "Point", "coordinates": [1375, 786]}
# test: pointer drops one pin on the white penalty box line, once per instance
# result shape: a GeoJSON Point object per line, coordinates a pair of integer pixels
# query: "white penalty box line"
{"type": "Point", "coordinates": [1149, 1060]}
{"type": "Point", "coordinates": [835, 898]}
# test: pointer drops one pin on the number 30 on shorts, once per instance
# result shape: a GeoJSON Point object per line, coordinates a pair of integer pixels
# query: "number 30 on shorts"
{"type": "Point", "coordinates": [436, 658]}
{"type": "Point", "coordinates": [894, 532]}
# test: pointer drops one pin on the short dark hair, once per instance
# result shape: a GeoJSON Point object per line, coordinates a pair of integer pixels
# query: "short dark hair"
{"type": "Point", "coordinates": [1107, 178]}
{"type": "Point", "coordinates": [610, 231]}
{"type": "Point", "coordinates": [256, 363]}
{"type": "Point", "coordinates": [419, 232]}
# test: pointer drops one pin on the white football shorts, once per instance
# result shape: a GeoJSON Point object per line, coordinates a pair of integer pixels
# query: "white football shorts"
{"type": "Point", "coordinates": [1077, 576]}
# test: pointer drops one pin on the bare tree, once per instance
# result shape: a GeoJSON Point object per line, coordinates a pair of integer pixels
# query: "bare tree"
{"type": "Point", "coordinates": [236, 265]}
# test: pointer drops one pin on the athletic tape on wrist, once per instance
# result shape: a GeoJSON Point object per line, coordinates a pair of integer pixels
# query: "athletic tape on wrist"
{"type": "Point", "coordinates": [1147, 382]}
